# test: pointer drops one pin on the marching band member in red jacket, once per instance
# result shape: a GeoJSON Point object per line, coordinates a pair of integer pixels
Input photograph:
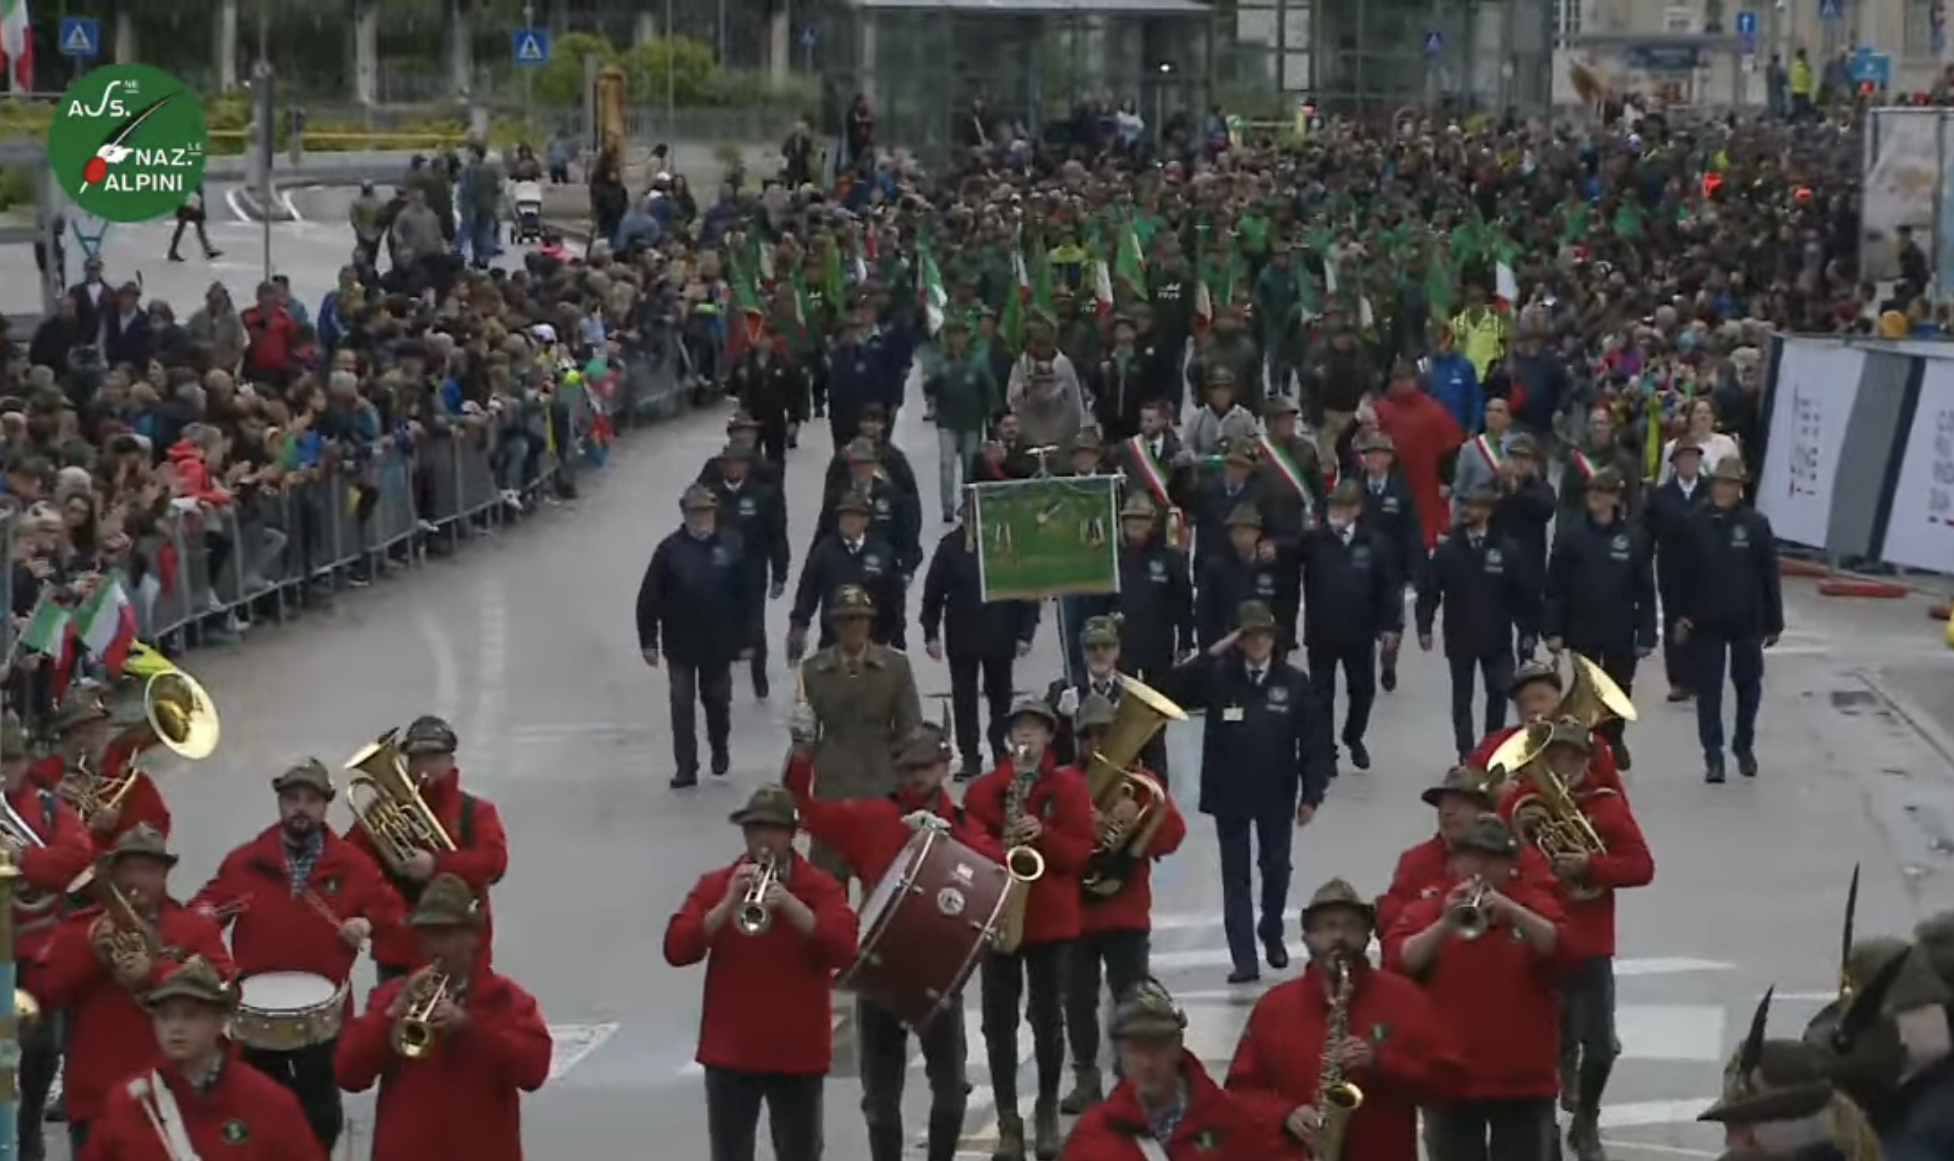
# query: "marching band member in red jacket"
{"type": "Point", "coordinates": [766, 1029]}
{"type": "Point", "coordinates": [1489, 955]}
{"type": "Point", "coordinates": [1536, 694]}
{"type": "Point", "coordinates": [489, 1044]}
{"type": "Point", "coordinates": [1586, 883]}
{"type": "Point", "coordinates": [48, 860]}
{"type": "Point", "coordinates": [1032, 801]}
{"type": "Point", "coordinates": [114, 750]}
{"type": "Point", "coordinates": [1114, 930]}
{"type": "Point", "coordinates": [481, 856]}
{"type": "Point", "coordinates": [103, 958]}
{"type": "Point", "coordinates": [1393, 1046]}
{"type": "Point", "coordinates": [1166, 1105]}
{"type": "Point", "coordinates": [198, 1100]}
{"type": "Point", "coordinates": [869, 833]}
{"type": "Point", "coordinates": [1424, 870]}
{"type": "Point", "coordinates": [298, 898]}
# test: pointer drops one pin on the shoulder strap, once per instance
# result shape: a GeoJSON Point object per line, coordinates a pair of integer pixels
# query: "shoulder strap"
{"type": "Point", "coordinates": [466, 838]}
{"type": "Point", "coordinates": [51, 810]}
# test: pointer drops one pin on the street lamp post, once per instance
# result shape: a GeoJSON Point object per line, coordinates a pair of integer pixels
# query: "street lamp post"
{"type": "Point", "coordinates": [528, 75]}
{"type": "Point", "coordinates": [671, 73]}
{"type": "Point", "coordinates": [267, 127]}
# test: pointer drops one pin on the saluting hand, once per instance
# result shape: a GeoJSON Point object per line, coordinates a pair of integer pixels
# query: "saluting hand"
{"type": "Point", "coordinates": [1220, 648]}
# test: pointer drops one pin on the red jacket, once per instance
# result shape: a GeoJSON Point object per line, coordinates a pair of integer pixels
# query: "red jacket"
{"type": "Point", "coordinates": [769, 998]}
{"type": "Point", "coordinates": [1060, 801]}
{"type": "Point", "coordinates": [1591, 922]}
{"type": "Point", "coordinates": [1280, 1056]}
{"type": "Point", "coordinates": [109, 1033]}
{"type": "Point", "coordinates": [1423, 874]}
{"type": "Point", "coordinates": [869, 832]}
{"type": "Point", "coordinates": [143, 803]}
{"type": "Point", "coordinates": [193, 478]}
{"type": "Point", "coordinates": [1497, 997]}
{"type": "Point", "coordinates": [46, 871]}
{"type": "Point", "coordinates": [1131, 908]}
{"type": "Point", "coordinates": [245, 1116]}
{"type": "Point", "coordinates": [273, 930]}
{"type": "Point", "coordinates": [274, 339]}
{"type": "Point", "coordinates": [476, 826]}
{"type": "Point", "coordinates": [1424, 433]}
{"type": "Point", "coordinates": [1217, 1126]}
{"type": "Point", "coordinates": [1602, 770]}
{"type": "Point", "coordinates": [462, 1102]}
{"type": "Point", "coordinates": [48, 772]}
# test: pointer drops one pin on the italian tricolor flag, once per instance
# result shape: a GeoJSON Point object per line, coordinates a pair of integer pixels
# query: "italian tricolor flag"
{"type": "Point", "coordinates": [17, 45]}
{"type": "Point", "coordinates": [106, 624]}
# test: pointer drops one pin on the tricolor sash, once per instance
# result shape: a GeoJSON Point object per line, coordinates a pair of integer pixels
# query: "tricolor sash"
{"type": "Point", "coordinates": [1154, 476]}
{"type": "Point", "coordinates": [1490, 451]}
{"type": "Point", "coordinates": [1585, 466]}
{"type": "Point", "coordinates": [1284, 464]}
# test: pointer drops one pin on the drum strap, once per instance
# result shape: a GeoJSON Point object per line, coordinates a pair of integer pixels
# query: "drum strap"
{"type": "Point", "coordinates": [1151, 1149]}
{"type": "Point", "coordinates": [159, 1104]}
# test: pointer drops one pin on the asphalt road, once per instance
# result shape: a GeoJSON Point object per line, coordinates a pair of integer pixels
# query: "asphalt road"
{"type": "Point", "coordinates": [526, 643]}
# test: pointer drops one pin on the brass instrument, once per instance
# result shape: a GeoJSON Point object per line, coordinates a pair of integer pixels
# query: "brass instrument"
{"type": "Point", "coordinates": [753, 917]}
{"type": "Point", "coordinates": [1113, 777]}
{"type": "Point", "coordinates": [385, 801]}
{"type": "Point", "coordinates": [1592, 698]}
{"type": "Point", "coordinates": [1337, 1099]}
{"type": "Point", "coordinates": [27, 1009]}
{"type": "Point", "coordinates": [15, 830]}
{"type": "Point", "coordinates": [1023, 861]}
{"type": "Point", "coordinates": [1472, 921]}
{"type": "Point", "coordinates": [130, 933]}
{"type": "Point", "coordinates": [413, 1033]}
{"type": "Point", "coordinates": [177, 714]}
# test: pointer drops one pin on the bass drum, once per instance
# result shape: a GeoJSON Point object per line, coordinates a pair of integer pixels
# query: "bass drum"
{"type": "Point", "coordinates": [926, 925]}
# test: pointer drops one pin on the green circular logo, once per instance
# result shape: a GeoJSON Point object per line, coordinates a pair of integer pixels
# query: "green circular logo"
{"type": "Point", "coordinates": [128, 142]}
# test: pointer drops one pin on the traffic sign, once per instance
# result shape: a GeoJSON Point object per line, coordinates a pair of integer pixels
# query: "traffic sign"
{"type": "Point", "coordinates": [81, 37]}
{"type": "Point", "coordinates": [1833, 10]}
{"type": "Point", "coordinates": [1747, 24]}
{"type": "Point", "coordinates": [532, 47]}
{"type": "Point", "coordinates": [1434, 44]}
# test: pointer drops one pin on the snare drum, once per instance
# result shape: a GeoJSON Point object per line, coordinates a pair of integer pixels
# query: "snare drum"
{"type": "Point", "coordinates": [925, 926]}
{"type": "Point", "coordinates": [286, 1011]}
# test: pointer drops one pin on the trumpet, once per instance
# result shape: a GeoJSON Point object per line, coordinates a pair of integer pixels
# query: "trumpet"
{"type": "Point", "coordinates": [754, 917]}
{"type": "Point", "coordinates": [16, 831]}
{"type": "Point", "coordinates": [385, 801]}
{"type": "Point", "coordinates": [1471, 921]}
{"type": "Point", "coordinates": [413, 1033]}
{"type": "Point", "coordinates": [129, 933]}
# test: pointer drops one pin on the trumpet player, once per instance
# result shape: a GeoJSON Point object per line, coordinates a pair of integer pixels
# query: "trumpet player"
{"type": "Point", "coordinates": [481, 854]}
{"type": "Point", "coordinates": [1166, 1105]}
{"type": "Point", "coordinates": [870, 833]}
{"type": "Point", "coordinates": [486, 1042]}
{"type": "Point", "coordinates": [1114, 930]}
{"type": "Point", "coordinates": [298, 898]}
{"type": "Point", "coordinates": [1587, 874]}
{"type": "Point", "coordinates": [197, 1096]}
{"type": "Point", "coordinates": [1032, 802]}
{"type": "Point", "coordinates": [1424, 871]}
{"type": "Point", "coordinates": [1385, 1050]}
{"type": "Point", "coordinates": [1489, 956]}
{"type": "Point", "coordinates": [1536, 695]}
{"type": "Point", "coordinates": [772, 929]}
{"type": "Point", "coordinates": [104, 959]}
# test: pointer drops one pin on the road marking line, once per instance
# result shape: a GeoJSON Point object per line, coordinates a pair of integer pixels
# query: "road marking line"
{"type": "Point", "coordinates": [1669, 966]}
{"type": "Point", "coordinates": [1672, 1032]}
{"type": "Point", "coordinates": [234, 201]}
{"type": "Point", "coordinates": [1646, 1114]}
{"type": "Point", "coordinates": [447, 671]}
{"type": "Point", "coordinates": [291, 207]}
{"type": "Point", "coordinates": [571, 1043]}
{"type": "Point", "coordinates": [492, 669]}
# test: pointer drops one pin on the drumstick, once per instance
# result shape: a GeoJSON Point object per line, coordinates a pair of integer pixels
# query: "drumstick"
{"type": "Point", "coordinates": [224, 911]}
{"type": "Point", "coordinates": [325, 911]}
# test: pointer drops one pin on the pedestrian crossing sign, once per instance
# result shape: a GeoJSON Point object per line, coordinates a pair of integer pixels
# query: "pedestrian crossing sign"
{"type": "Point", "coordinates": [532, 46]}
{"type": "Point", "coordinates": [81, 37]}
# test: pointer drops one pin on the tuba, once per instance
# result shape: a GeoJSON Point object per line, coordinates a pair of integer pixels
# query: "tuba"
{"type": "Point", "coordinates": [413, 1033]}
{"type": "Point", "coordinates": [385, 802]}
{"type": "Point", "coordinates": [1544, 812]}
{"type": "Point", "coordinates": [177, 714]}
{"type": "Point", "coordinates": [753, 918]}
{"type": "Point", "coordinates": [1113, 777]}
{"type": "Point", "coordinates": [1338, 1099]}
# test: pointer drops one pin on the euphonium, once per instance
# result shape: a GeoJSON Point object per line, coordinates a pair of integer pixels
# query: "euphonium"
{"type": "Point", "coordinates": [1113, 779]}
{"type": "Point", "coordinates": [753, 917]}
{"type": "Point", "coordinates": [1337, 1098]}
{"type": "Point", "coordinates": [413, 1033]}
{"type": "Point", "coordinates": [386, 802]}
{"type": "Point", "coordinates": [1471, 922]}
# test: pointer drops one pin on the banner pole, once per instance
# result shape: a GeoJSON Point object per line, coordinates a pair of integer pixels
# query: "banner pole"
{"type": "Point", "coordinates": [10, 1016]}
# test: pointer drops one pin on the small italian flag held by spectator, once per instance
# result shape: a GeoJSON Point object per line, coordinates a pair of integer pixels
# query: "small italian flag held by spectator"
{"type": "Point", "coordinates": [47, 629]}
{"type": "Point", "coordinates": [1506, 286]}
{"type": "Point", "coordinates": [106, 624]}
{"type": "Point", "coordinates": [17, 45]}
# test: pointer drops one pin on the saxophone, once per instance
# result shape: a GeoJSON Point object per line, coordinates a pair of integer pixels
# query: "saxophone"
{"type": "Point", "coordinates": [1336, 1098]}
{"type": "Point", "coordinates": [1024, 862]}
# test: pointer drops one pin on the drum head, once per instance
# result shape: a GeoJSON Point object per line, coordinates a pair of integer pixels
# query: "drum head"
{"type": "Point", "coordinates": [285, 991]}
{"type": "Point", "coordinates": [894, 880]}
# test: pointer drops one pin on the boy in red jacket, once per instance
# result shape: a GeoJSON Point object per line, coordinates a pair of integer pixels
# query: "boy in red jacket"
{"type": "Point", "coordinates": [301, 899]}
{"type": "Point", "coordinates": [1489, 954]}
{"type": "Point", "coordinates": [1167, 1106]}
{"type": "Point", "coordinates": [1586, 883]}
{"type": "Point", "coordinates": [869, 833]}
{"type": "Point", "coordinates": [489, 1044]}
{"type": "Point", "coordinates": [1055, 819]}
{"type": "Point", "coordinates": [766, 1027]}
{"type": "Point", "coordinates": [1115, 929]}
{"type": "Point", "coordinates": [1394, 1048]}
{"type": "Point", "coordinates": [199, 1100]}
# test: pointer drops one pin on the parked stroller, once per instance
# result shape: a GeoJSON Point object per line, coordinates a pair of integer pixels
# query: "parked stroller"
{"type": "Point", "coordinates": [526, 201]}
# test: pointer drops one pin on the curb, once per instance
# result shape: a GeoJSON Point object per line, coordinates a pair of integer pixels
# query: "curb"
{"type": "Point", "coordinates": [1869, 589]}
{"type": "Point", "coordinates": [1793, 566]}
{"type": "Point", "coordinates": [1940, 610]}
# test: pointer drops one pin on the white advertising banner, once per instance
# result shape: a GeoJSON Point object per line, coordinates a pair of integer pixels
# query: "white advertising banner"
{"type": "Point", "coordinates": [1810, 407]}
{"type": "Point", "coordinates": [1920, 528]}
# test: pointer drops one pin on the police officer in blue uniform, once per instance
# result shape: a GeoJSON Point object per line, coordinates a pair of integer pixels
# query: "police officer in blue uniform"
{"type": "Point", "coordinates": [1667, 515]}
{"type": "Point", "coordinates": [695, 615]}
{"type": "Point", "coordinates": [1487, 586]}
{"type": "Point", "coordinates": [1266, 761]}
{"type": "Point", "coordinates": [1731, 606]}
{"type": "Point", "coordinates": [1600, 596]}
{"type": "Point", "coordinates": [850, 555]}
{"type": "Point", "coordinates": [1353, 601]}
{"type": "Point", "coordinates": [759, 512]}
